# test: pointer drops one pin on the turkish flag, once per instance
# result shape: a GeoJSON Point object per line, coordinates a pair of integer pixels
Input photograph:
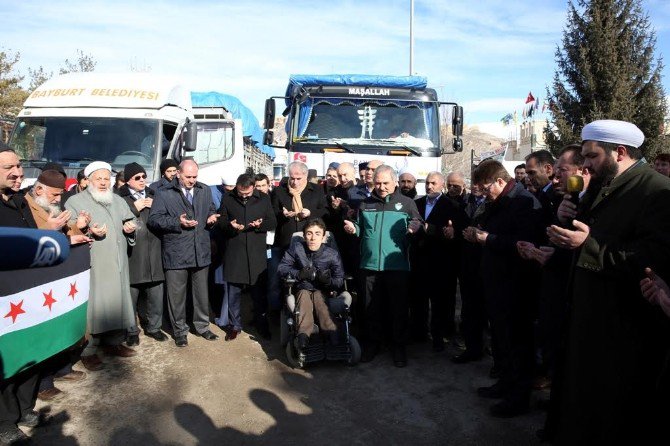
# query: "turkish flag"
{"type": "Point", "coordinates": [530, 98]}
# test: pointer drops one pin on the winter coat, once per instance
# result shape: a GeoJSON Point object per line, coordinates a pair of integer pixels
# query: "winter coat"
{"type": "Point", "coordinates": [145, 259]}
{"type": "Point", "coordinates": [312, 198]}
{"type": "Point", "coordinates": [15, 212]}
{"type": "Point", "coordinates": [382, 227]}
{"type": "Point", "coordinates": [616, 366]}
{"type": "Point", "coordinates": [245, 252]}
{"type": "Point", "coordinates": [298, 256]}
{"type": "Point", "coordinates": [510, 218]}
{"type": "Point", "coordinates": [182, 248]}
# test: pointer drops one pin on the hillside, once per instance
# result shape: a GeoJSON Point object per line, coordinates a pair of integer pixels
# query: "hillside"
{"type": "Point", "coordinates": [473, 140]}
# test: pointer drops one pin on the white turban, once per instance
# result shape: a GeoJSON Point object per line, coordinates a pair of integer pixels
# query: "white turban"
{"type": "Point", "coordinates": [405, 170]}
{"type": "Point", "coordinates": [615, 132]}
{"type": "Point", "coordinates": [96, 165]}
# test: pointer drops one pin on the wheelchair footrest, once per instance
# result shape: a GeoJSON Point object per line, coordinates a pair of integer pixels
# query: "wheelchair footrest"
{"type": "Point", "coordinates": [340, 352]}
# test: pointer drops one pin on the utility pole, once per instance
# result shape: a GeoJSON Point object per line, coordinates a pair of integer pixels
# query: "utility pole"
{"type": "Point", "coordinates": [411, 37]}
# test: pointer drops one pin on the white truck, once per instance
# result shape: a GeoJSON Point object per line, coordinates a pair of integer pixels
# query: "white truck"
{"type": "Point", "coordinates": [78, 118]}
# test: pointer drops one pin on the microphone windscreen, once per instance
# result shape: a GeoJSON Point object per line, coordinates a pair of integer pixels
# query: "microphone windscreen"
{"type": "Point", "coordinates": [575, 183]}
{"type": "Point", "coordinates": [28, 248]}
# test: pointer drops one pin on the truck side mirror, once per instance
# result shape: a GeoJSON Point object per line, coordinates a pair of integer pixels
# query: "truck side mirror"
{"type": "Point", "coordinates": [458, 144]}
{"type": "Point", "coordinates": [268, 137]}
{"type": "Point", "coordinates": [269, 121]}
{"type": "Point", "coordinates": [457, 122]}
{"type": "Point", "coordinates": [190, 136]}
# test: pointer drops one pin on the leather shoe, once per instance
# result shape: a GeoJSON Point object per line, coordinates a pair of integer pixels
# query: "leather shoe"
{"type": "Point", "coordinates": [52, 394]}
{"type": "Point", "coordinates": [132, 340]}
{"type": "Point", "coordinates": [231, 333]}
{"type": "Point", "coordinates": [119, 350]}
{"type": "Point", "coordinates": [494, 391]}
{"type": "Point", "coordinates": [208, 335]}
{"type": "Point", "coordinates": [30, 419]}
{"type": "Point", "coordinates": [181, 341]}
{"type": "Point", "coordinates": [465, 357]}
{"type": "Point", "coordinates": [13, 435]}
{"type": "Point", "coordinates": [508, 409]}
{"type": "Point", "coordinates": [92, 363]}
{"type": "Point", "coordinates": [157, 335]}
{"type": "Point", "coordinates": [73, 376]}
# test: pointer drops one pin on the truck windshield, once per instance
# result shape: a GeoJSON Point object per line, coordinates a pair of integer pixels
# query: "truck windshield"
{"type": "Point", "coordinates": [76, 141]}
{"type": "Point", "coordinates": [408, 124]}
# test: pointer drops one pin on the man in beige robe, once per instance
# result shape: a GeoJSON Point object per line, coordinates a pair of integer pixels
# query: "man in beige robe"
{"type": "Point", "coordinates": [110, 308]}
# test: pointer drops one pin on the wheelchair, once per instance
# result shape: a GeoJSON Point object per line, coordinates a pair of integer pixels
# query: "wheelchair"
{"type": "Point", "coordinates": [320, 347]}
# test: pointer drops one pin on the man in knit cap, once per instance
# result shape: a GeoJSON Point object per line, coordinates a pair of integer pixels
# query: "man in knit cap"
{"type": "Point", "coordinates": [168, 169]}
{"type": "Point", "coordinates": [110, 308]}
{"type": "Point", "coordinates": [610, 391]}
{"type": "Point", "coordinates": [144, 258]}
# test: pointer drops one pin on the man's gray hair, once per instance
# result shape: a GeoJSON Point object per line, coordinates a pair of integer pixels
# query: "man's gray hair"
{"type": "Point", "coordinates": [435, 173]}
{"type": "Point", "coordinates": [386, 169]}
{"type": "Point", "coordinates": [298, 165]}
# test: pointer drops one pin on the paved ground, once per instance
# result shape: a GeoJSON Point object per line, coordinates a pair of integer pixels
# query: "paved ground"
{"type": "Point", "coordinates": [243, 392]}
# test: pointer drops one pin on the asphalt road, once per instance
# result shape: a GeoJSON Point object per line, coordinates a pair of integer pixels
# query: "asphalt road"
{"type": "Point", "coordinates": [243, 392]}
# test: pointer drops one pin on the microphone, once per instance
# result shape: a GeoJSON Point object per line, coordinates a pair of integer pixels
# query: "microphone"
{"type": "Point", "coordinates": [574, 187]}
{"type": "Point", "coordinates": [29, 248]}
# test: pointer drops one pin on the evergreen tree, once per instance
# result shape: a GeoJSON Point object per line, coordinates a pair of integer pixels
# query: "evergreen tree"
{"type": "Point", "coordinates": [606, 70]}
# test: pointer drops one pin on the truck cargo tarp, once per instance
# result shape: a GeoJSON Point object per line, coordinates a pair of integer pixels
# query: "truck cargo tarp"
{"type": "Point", "coordinates": [250, 125]}
{"type": "Point", "coordinates": [357, 80]}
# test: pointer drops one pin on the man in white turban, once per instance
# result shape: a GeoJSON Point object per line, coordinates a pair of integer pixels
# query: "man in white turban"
{"type": "Point", "coordinates": [611, 388]}
{"type": "Point", "coordinates": [110, 308]}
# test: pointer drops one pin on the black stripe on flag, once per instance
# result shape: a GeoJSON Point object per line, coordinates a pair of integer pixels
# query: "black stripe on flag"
{"type": "Point", "coordinates": [14, 281]}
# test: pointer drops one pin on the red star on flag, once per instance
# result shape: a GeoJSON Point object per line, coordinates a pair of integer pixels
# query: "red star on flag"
{"type": "Point", "coordinates": [73, 290]}
{"type": "Point", "coordinates": [14, 311]}
{"type": "Point", "coordinates": [49, 299]}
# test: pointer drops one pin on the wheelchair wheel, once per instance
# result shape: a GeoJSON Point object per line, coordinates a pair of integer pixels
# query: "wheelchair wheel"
{"type": "Point", "coordinates": [293, 357]}
{"type": "Point", "coordinates": [355, 351]}
{"type": "Point", "coordinates": [284, 332]}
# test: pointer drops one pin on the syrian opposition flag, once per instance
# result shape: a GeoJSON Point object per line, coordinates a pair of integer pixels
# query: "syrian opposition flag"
{"type": "Point", "coordinates": [42, 311]}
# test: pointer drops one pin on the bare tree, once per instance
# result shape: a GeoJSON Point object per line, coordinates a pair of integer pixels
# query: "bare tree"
{"type": "Point", "coordinates": [84, 63]}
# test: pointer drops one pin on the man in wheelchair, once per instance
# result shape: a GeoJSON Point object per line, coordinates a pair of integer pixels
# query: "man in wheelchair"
{"type": "Point", "coordinates": [317, 269]}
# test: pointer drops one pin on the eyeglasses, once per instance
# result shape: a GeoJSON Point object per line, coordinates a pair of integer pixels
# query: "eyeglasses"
{"type": "Point", "coordinates": [486, 187]}
{"type": "Point", "coordinates": [139, 177]}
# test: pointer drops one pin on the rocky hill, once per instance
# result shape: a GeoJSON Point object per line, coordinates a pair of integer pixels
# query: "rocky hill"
{"type": "Point", "coordinates": [474, 143]}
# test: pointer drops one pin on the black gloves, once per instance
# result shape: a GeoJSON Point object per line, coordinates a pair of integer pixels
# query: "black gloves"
{"type": "Point", "coordinates": [323, 277]}
{"type": "Point", "coordinates": [307, 273]}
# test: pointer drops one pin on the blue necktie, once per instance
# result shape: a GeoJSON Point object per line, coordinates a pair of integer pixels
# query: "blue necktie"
{"type": "Point", "coordinates": [189, 196]}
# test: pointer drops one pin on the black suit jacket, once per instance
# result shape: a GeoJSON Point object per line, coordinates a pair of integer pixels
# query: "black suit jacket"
{"type": "Point", "coordinates": [432, 248]}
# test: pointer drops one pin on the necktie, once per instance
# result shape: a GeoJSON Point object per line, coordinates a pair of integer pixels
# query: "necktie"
{"type": "Point", "coordinates": [189, 196]}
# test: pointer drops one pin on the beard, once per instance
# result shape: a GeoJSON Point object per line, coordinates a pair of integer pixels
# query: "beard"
{"type": "Point", "coordinates": [104, 198]}
{"type": "Point", "coordinates": [52, 209]}
{"type": "Point", "coordinates": [604, 175]}
{"type": "Point", "coordinates": [433, 195]}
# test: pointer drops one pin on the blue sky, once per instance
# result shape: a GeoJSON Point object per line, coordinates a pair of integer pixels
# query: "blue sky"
{"type": "Point", "coordinates": [485, 54]}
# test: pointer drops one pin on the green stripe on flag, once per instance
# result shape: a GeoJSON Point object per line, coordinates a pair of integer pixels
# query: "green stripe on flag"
{"type": "Point", "coordinates": [22, 349]}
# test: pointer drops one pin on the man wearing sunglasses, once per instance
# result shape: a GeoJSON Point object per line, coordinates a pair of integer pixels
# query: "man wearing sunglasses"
{"type": "Point", "coordinates": [144, 259]}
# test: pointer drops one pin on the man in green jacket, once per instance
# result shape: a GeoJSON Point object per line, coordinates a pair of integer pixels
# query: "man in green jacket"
{"type": "Point", "coordinates": [386, 220]}
{"type": "Point", "coordinates": [611, 385]}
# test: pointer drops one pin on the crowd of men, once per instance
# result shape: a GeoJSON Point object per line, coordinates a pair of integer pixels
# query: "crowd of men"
{"type": "Point", "coordinates": [560, 270]}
